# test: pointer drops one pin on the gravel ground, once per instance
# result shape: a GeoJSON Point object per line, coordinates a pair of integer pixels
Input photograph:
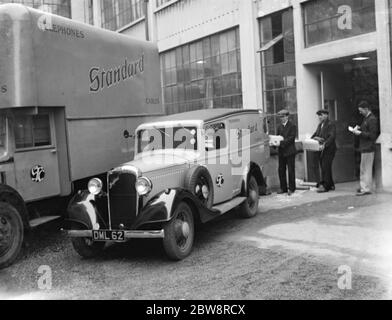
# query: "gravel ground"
{"type": "Point", "coordinates": [287, 253]}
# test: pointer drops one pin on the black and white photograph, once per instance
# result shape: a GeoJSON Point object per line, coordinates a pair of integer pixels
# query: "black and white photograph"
{"type": "Point", "coordinates": [196, 155]}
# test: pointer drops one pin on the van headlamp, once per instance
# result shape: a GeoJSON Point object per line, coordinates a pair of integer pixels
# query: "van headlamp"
{"type": "Point", "coordinates": [143, 186]}
{"type": "Point", "coordinates": [95, 186]}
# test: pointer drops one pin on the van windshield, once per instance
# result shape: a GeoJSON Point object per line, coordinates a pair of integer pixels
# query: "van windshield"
{"type": "Point", "coordinates": [184, 138]}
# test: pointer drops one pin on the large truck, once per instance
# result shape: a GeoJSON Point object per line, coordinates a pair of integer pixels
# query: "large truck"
{"type": "Point", "coordinates": [71, 96]}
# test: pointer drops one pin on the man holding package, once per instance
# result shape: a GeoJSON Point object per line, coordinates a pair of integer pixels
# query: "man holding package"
{"type": "Point", "coordinates": [287, 152]}
{"type": "Point", "coordinates": [326, 136]}
{"type": "Point", "coordinates": [368, 133]}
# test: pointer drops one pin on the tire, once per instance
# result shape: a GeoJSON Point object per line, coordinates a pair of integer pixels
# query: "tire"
{"type": "Point", "coordinates": [180, 233]}
{"type": "Point", "coordinates": [250, 207]}
{"type": "Point", "coordinates": [86, 248]}
{"type": "Point", "coordinates": [199, 182]}
{"type": "Point", "coordinates": [11, 234]}
{"type": "Point", "coordinates": [11, 196]}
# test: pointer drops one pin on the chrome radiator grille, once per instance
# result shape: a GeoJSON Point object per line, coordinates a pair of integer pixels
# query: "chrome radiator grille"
{"type": "Point", "coordinates": [123, 199]}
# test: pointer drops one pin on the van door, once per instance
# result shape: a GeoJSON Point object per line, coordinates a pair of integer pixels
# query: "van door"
{"type": "Point", "coordinates": [218, 160]}
{"type": "Point", "coordinates": [36, 159]}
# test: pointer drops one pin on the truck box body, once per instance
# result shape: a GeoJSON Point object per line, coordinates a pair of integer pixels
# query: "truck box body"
{"type": "Point", "coordinates": [96, 86]}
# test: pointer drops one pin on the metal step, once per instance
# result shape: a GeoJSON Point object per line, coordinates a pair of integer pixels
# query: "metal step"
{"type": "Point", "coordinates": [227, 206]}
{"type": "Point", "coordinates": [43, 220]}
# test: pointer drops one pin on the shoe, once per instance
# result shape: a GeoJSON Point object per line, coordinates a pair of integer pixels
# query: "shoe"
{"type": "Point", "coordinates": [282, 192]}
{"type": "Point", "coordinates": [290, 193]}
{"type": "Point", "coordinates": [359, 190]}
{"type": "Point", "coordinates": [322, 190]}
{"type": "Point", "coordinates": [363, 193]}
{"type": "Point", "coordinates": [333, 188]}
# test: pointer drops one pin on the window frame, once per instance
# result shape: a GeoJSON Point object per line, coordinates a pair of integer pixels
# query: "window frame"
{"type": "Point", "coordinates": [52, 135]}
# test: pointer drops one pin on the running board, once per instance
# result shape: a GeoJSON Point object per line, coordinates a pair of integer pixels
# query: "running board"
{"type": "Point", "coordinates": [230, 205]}
{"type": "Point", "coordinates": [40, 221]}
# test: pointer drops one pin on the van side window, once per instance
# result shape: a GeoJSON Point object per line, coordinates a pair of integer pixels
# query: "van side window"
{"type": "Point", "coordinates": [215, 137]}
{"type": "Point", "coordinates": [32, 132]}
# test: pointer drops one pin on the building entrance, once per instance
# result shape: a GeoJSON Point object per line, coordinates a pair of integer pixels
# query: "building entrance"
{"type": "Point", "coordinates": [344, 83]}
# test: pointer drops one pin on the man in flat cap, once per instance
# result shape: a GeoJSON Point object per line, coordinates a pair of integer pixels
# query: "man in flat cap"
{"type": "Point", "coordinates": [368, 133]}
{"type": "Point", "coordinates": [287, 153]}
{"type": "Point", "coordinates": [326, 136]}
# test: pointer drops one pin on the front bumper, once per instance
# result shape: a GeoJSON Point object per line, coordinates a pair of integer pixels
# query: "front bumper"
{"type": "Point", "coordinates": [156, 234]}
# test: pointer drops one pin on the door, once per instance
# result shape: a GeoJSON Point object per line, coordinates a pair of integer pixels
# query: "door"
{"type": "Point", "coordinates": [36, 160]}
{"type": "Point", "coordinates": [217, 160]}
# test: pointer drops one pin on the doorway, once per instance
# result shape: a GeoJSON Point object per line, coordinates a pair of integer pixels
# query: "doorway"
{"type": "Point", "coordinates": [344, 82]}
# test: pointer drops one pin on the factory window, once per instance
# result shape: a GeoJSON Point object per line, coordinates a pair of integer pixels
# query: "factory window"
{"type": "Point", "coordinates": [278, 66]}
{"type": "Point", "coordinates": [32, 132]}
{"type": "Point", "coordinates": [59, 7]}
{"type": "Point", "coordinates": [329, 20]}
{"type": "Point", "coordinates": [90, 4]}
{"type": "Point", "coordinates": [119, 13]}
{"type": "Point", "coordinates": [205, 74]}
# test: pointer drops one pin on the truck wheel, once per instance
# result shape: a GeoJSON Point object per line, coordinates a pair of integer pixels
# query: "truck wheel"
{"type": "Point", "coordinates": [250, 207]}
{"type": "Point", "coordinates": [199, 183]}
{"type": "Point", "coordinates": [87, 248]}
{"type": "Point", "coordinates": [179, 233]}
{"type": "Point", "coordinates": [11, 234]}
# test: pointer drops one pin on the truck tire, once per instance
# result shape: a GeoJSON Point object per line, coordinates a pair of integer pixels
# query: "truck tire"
{"type": "Point", "coordinates": [179, 233]}
{"type": "Point", "coordinates": [199, 182]}
{"type": "Point", "coordinates": [11, 196]}
{"type": "Point", "coordinates": [87, 248]}
{"type": "Point", "coordinates": [11, 234]}
{"type": "Point", "coordinates": [250, 207]}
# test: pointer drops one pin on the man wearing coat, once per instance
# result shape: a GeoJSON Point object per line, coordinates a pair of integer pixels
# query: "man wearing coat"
{"type": "Point", "coordinates": [287, 153]}
{"type": "Point", "coordinates": [368, 133]}
{"type": "Point", "coordinates": [326, 136]}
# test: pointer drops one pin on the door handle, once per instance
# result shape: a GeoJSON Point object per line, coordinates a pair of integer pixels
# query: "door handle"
{"type": "Point", "coordinates": [54, 151]}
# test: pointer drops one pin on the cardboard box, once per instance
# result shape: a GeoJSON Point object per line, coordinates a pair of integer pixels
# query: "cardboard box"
{"type": "Point", "coordinates": [311, 145]}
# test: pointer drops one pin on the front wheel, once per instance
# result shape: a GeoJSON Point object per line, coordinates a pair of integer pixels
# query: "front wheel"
{"type": "Point", "coordinates": [87, 248]}
{"type": "Point", "coordinates": [180, 233]}
{"type": "Point", "coordinates": [11, 234]}
{"type": "Point", "coordinates": [250, 207]}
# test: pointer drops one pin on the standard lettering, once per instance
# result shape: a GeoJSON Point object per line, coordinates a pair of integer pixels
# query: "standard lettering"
{"type": "Point", "coordinates": [94, 80]}
{"type": "Point", "coordinates": [101, 78]}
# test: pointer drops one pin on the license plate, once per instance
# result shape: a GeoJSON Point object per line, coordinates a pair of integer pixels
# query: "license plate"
{"type": "Point", "coordinates": [109, 235]}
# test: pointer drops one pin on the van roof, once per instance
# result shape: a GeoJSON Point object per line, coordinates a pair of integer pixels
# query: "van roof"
{"type": "Point", "coordinates": [205, 115]}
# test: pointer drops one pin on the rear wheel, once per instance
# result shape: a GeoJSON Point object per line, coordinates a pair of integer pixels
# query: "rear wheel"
{"type": "Point", "coordinates": [180, 233]}
{"type": "Point", "coordinates": [11, 234]}
{"type": "Point", "coordinates": [87, 248]}
{"type": "Point", "coordinates": [199, 183]}
{"type": "Point", "coordinates": [250, 207]}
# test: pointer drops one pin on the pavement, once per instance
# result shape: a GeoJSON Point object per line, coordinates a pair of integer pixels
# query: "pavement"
{"type": "Point", "coordinates": [298, 247]}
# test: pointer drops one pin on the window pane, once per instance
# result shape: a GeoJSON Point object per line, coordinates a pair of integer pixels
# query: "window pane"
{"type": "Point", "coordinates": [203, 74]}
{"type": "Point", "coordinates": [41, 131]}
{"type": "Point", "coordinates": [323, 23]}
{"type": "Point", "coordinates": [23, 132]}
{"type": "Point", "coordinates": [279, 74]}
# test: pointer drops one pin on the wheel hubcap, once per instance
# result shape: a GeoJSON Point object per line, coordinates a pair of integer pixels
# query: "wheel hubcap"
{"type": "Point", "coordinates": [201, 190]}
{"type": "Point", "coordinates": [182, 231]}
{"type": "Point", "coordinates": [253, 196]}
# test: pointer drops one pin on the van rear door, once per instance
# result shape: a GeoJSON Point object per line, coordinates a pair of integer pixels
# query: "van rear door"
{"type": "Point", "coordinates": [36, 159]}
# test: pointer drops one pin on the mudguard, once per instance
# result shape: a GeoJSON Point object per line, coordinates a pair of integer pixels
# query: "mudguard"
{"type": "Point", "coordinates": [162, 207]}
{"type": "Point", "coordinates": [86, 211]}
{"type": "Point", "coordinates": [83, 212]}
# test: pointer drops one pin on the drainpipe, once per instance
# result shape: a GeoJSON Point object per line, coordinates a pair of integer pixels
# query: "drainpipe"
{"type": "Point", "coordinates": [146, 21]}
